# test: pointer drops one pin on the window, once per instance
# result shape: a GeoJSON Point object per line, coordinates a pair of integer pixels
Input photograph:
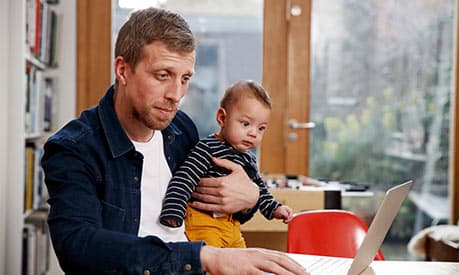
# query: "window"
{"type": "Point", "coordinates": [380, 95]}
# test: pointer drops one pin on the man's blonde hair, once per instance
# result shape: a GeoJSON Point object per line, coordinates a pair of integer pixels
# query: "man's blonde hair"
{"type": "Point", "coordinates": [149, 25]}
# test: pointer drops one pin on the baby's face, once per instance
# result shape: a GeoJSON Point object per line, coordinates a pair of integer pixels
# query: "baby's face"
{"type": "Point", "coordinates": [245, 123]}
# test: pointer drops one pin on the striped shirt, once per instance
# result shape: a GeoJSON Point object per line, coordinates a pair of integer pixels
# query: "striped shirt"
{"type": "Point", "coordinates": [199, 165]}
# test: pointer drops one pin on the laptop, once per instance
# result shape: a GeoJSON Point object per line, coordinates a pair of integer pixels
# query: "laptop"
{"type": "Point", "coordinates": [382, 221]}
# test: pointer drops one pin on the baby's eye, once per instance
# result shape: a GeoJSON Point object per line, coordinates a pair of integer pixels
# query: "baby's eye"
{"type": "Point", "coordinates": [262, 128]}
{"type": "Point", "coordinates": [245, 123]}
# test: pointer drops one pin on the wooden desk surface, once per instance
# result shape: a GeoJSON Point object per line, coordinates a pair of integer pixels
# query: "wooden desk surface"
{"type": "Point", "coordinates": [395, 267]}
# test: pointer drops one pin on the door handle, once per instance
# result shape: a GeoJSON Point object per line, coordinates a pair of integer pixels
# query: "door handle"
{"type": "Point", "coordinates": [294, 124]}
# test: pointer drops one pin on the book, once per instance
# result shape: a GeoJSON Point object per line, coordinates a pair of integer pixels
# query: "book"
{"type": "Point", "coordinates": [29, 177]}
{"type": "Point", "coordinates": [48, 104]}
{"type": "Point", "coordinates": [36, 221]}
{"type": "Point", "coordinates": [37, 36]}
{"type": "Point", "coordinates": [39, 102]}
{"type": "Point", "coordinates": [36, 243]}
{"type": "Point", "coordinates": [29, 256]}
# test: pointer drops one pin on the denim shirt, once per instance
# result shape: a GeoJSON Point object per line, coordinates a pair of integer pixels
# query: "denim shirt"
{"type": "Point", "coordinates": [93, 175]}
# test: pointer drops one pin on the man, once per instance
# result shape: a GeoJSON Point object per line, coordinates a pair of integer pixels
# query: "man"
{"type": "Point", "coordinates": [104, 183]}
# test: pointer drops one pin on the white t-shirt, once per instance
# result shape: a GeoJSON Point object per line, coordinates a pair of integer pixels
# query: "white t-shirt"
{"type": "Point", "coordinates": [155, 178]}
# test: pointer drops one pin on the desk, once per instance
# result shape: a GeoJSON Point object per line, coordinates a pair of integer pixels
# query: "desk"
{"type": "Point", "coordinates": [395, 267]}
{"type": "Point", "coordinates": [260, 232]}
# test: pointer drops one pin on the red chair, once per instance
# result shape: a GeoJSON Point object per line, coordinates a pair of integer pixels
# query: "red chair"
{"type": "Point", "coordinates": [336, 233]}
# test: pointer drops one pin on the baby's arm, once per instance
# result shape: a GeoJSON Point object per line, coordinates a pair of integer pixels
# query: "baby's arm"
{"type": "Point", "coordinates": [284, 213]}
{"type": "Point", "coordinates": [270, 207]}
{"type": "Point", "coordinates": [183, 183]}
{"type": "Point", "coordinates": [267, 203]}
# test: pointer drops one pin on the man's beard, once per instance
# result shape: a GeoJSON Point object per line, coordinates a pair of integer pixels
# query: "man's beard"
{"type": "Point", "coordinates": [151, 121]}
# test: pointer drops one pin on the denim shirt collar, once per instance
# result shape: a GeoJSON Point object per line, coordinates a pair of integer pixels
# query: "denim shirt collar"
{"type": "Point", "coordinates": [117, 140]}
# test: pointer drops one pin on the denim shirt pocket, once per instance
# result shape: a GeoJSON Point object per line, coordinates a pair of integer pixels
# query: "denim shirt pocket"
{"type": "Point", "coordinates": [113, 216]}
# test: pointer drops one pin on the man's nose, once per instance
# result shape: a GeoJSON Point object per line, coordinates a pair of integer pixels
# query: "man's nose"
{"type": "Point", "coordinates": [176, 91]}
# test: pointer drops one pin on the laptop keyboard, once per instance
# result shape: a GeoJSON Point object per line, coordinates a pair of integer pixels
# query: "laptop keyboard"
{"type": "Point", "coordinates": [329, 266]}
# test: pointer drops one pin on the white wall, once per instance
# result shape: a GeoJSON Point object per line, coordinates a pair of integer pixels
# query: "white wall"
{"type": "Point", "coordinates": [14, 134]}
{"type": "Point", "coordinates": [3, 127]}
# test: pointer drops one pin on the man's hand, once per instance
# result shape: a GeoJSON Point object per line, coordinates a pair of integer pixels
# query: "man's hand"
{"type": "Point", "coordinates": [229, 194]}
{"type": "Point", "coordinates": [247, 261]}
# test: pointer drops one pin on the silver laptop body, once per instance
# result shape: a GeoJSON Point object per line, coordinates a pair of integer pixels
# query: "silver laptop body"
{"type": "Point", "coordinates": [379, 227]}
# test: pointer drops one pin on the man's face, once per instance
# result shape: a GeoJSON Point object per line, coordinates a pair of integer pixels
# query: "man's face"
{"type": "Point", "coordinates": [160, 80]}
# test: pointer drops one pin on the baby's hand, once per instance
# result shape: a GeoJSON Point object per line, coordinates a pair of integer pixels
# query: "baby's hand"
{"type": "Point", "coordinates": [283, 212]}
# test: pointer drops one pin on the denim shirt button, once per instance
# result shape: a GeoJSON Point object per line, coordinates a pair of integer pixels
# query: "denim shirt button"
{"type": "Point", "coordinates": [146, 272]}
{"type": "Point", "coordinates": [136, 178]}
{"type": "Point", "coordinates": [187, 267]}
{"type": "Point", "coordinates": [136, 220]}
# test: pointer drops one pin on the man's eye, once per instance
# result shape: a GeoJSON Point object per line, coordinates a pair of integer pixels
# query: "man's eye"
{"type": "Point", "coordinates": [186, 79]}
{"type": "Point", "coordinates": [163, 76]}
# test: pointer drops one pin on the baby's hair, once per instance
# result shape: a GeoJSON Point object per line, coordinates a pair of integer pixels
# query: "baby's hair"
{"type": "Point", "coordinates": [243, 88]}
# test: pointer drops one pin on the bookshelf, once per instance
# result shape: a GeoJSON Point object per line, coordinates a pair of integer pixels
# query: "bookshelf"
{"type": "Point", "coordinates": [22, 130]}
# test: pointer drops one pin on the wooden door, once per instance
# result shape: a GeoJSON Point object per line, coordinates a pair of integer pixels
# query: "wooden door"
{"type": "Point", "coordinates": [286, 54]}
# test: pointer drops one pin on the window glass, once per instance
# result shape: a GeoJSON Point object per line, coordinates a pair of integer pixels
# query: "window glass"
{"type": "Point", "coordinates": [380, 97]}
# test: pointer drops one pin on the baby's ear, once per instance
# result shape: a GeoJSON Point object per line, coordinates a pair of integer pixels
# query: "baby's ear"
{"type": "Point", "coordinates": [221, 116]}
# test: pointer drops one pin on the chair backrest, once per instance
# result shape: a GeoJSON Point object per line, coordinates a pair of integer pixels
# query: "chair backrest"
{"type": "Point", "coordinates": [336, 233]}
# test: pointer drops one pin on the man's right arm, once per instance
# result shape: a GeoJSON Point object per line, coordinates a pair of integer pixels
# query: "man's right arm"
{"type": "Point", "coordinates": [76, 216]}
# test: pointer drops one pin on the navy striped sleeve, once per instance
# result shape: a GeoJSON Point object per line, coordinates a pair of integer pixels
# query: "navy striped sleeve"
{"type": "Point", "coordinates": [266, 201]}
{"type": "Point", "coordinates": [183, 183]}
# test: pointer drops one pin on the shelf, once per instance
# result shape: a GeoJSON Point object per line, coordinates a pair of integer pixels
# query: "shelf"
{"type": "Point", "coordinates": [42, 211]}
{"type": "Point", "coordinates": [34, 61]}
{"type": "Point", "coordinates": [33, 136]}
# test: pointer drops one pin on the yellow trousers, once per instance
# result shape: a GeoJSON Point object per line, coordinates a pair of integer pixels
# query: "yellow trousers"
{"type": "Point", "coordinates": [218, 232]}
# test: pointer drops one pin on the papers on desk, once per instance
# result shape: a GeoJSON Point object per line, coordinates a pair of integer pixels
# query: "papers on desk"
{"type": "Point", "coordinates": [300, 182]}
